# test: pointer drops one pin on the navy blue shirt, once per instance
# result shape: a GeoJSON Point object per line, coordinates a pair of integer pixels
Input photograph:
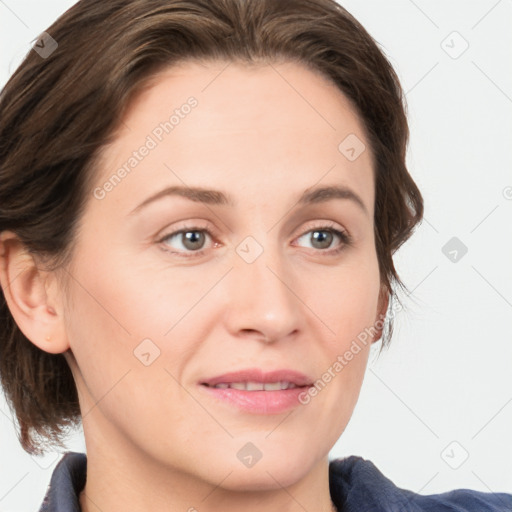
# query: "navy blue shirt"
{"type": "Point", "coordinates": [356, 485]}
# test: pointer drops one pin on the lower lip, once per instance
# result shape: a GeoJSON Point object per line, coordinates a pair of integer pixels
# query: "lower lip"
{"type": "Point", "coordinates": [259, 402]}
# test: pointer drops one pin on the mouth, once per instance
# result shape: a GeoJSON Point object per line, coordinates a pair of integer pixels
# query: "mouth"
{"type": "Point", "coordinates": [258, 392]}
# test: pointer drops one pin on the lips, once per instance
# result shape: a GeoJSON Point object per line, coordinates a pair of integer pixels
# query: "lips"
{"type": "Point", "coordinates": [257, 375]}
{"type": "Point", "coordinates": [257, 392]}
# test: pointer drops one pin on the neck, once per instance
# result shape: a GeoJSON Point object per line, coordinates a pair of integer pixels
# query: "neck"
{"type": "Point", "coordinates": [121, 478]}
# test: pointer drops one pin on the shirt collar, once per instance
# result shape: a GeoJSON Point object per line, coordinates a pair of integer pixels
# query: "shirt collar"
{"type": "Point", "coordinates": [68, 480]}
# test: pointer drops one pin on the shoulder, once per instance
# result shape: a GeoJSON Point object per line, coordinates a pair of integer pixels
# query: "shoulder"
{"type": "Point", "coordinates": [356, 482]}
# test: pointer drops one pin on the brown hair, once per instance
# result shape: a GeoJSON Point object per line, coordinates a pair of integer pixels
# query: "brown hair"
{"type": "Point", "coordinates": [58, 112]}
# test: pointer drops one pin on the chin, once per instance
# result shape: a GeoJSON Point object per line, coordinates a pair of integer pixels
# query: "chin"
{"type": "Point", "coordinates": [276, 470]}
{"type": "Point", "coordinates": [266, 478]}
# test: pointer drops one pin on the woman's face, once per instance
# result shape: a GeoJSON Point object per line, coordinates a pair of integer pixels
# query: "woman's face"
{"type": "Point", "coordinates": [256, 280]}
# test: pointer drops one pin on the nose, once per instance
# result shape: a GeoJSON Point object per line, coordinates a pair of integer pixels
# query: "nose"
{"type": "Point", "coordinates": [261, 300]}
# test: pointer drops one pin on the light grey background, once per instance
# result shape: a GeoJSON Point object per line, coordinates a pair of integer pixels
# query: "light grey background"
{"type": "Point", "coordinates": [443, 392]}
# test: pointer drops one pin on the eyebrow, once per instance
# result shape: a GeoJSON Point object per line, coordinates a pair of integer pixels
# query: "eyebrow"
{"type": "Point", "coordinates": [216, 197]}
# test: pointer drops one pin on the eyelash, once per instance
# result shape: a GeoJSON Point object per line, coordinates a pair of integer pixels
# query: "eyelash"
{"type": "Point", "coordinates": [345, 238]}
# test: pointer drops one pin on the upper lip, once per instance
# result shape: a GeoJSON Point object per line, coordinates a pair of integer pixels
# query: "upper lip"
{"type": "Point", "coordinates": [258, 375]}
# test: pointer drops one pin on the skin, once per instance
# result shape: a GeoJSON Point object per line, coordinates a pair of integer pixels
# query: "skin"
{"type": "Point", "coordinates": [155, 440]}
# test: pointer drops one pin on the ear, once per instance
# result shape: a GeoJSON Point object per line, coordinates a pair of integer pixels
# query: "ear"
{"type": "Point", "coordinates": [37, 313]}
{"type": "Point", "coordinates": [382, 308]}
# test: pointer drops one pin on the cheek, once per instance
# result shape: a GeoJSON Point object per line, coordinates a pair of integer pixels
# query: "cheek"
{"type": "Point", "coordinates": [113, 334]}
{"type": "Point", "coordinates": [120, 318]}
{"type": "Point", "coordinates": [99, 340]}
{"type": "Point", "coordinates": [345, 298]}
{"type": "Point", "coordinates": [346, 307]}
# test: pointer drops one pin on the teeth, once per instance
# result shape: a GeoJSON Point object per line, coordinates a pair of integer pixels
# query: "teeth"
{"type": "Point", "coordinates": [256, 386]}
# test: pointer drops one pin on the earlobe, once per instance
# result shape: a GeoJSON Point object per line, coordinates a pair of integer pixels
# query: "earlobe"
{"type": "Point", "coordinates": [25, 290]}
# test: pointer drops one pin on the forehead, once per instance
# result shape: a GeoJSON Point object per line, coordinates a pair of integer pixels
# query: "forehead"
{"type": "Point", "coordinates": [250, 126]}
{"type": "Point", "coordinates": [231, 96]}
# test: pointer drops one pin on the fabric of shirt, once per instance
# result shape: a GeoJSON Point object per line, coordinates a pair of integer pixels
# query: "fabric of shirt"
{"type": "Point", "coordinates": [356, 485]}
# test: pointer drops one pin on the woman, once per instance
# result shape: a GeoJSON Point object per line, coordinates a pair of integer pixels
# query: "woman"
{"type": "Point", "coordinates": [199, 206]}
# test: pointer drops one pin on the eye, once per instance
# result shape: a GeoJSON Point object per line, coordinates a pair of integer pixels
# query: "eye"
{"type": "Point", "coordinates": [188, 239]}
{"type": "Point", "coordinates": [322, 238]}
